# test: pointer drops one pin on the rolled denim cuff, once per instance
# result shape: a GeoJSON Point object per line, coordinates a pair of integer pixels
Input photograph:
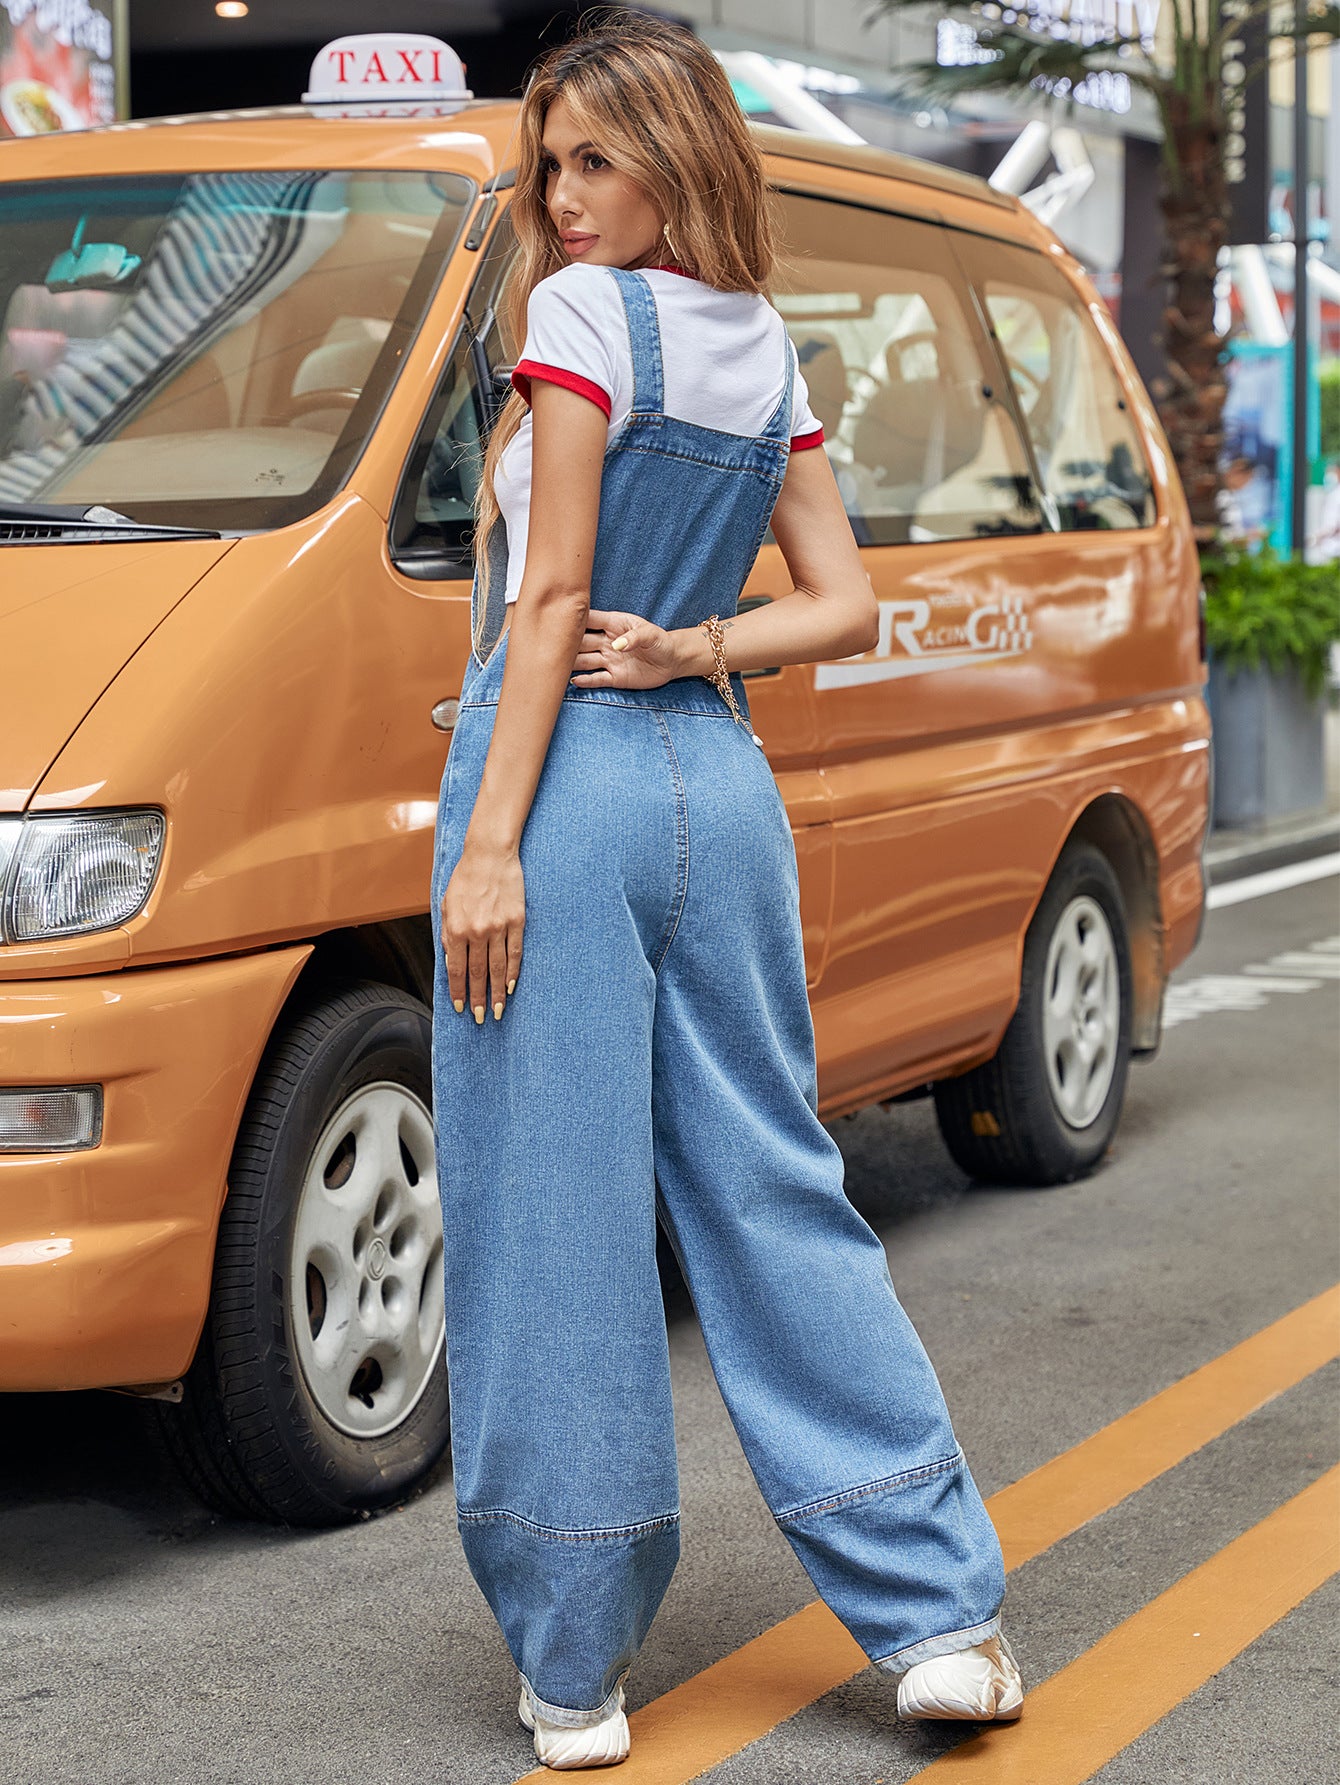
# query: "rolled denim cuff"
{"type": "Point", "coordinates": [934, 1646]}
{"type": "Point", "coordinates": [564, 1715]}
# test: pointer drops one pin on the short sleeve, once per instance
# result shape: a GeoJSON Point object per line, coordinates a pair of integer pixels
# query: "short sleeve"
{"type": "Point", "coordinates": [568, 337]}
{"type": "Point", "coordinates": [806, 428]}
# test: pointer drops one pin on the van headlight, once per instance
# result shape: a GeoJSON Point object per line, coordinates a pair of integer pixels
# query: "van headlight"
{"type": "Point", "coordinates": [68, 875]}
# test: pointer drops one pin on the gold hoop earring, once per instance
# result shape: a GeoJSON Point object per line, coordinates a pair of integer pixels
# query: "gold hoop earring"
{"type": "Point", "coordinates": [674, 252]}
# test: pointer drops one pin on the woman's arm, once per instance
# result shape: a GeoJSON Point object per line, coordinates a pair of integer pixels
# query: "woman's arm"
{"type": "Point", "coordinates": [484, 907]}
{"type": "Point", "coordinates": [830, 611]}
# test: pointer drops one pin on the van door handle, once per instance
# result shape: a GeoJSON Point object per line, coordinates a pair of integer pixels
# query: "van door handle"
{"type": "Point", "coordinates": [742, 607]}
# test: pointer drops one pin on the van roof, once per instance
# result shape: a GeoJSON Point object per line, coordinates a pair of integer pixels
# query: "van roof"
{"type": "Point", "coordinates": [494, 120]}
{"type": "Point", "coordinates": [866, 158]}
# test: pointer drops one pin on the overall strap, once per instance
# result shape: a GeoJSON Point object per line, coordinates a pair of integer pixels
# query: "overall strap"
{"type": "Point", "coordinates": [779, 427]}
{"type": "Point", "coordinates": [644, 338]}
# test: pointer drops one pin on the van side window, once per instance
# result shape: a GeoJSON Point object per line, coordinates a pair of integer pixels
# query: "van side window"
{"type": "Point", "coordinates": [434, 512]}
{"type": "Point", "coordinates": [1089, 454]}
{"type": "Point", "coordinates": [898, 370]}
{"type": "Point", "coordinates": [433, 521]}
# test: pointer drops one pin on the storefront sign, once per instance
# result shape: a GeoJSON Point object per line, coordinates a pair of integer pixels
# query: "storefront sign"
{"type": "Point", "coordinates": [1081, 21]}
{"type": "Point", "coordinates": [57, 70]}
{"type": "Point", "coordinates": [1245, 102]}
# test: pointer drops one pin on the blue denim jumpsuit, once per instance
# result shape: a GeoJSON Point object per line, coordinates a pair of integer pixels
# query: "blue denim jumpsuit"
{"type": "Point", "coordinates": [657, 1061]}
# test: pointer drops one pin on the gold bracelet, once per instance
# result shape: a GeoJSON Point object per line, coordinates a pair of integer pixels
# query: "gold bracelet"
{"type": "Point", "coordinates": [719, 677]}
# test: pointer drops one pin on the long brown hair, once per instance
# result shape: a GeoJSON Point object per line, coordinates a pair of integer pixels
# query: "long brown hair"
{"type": "Point", "coordinates": [662, 110]}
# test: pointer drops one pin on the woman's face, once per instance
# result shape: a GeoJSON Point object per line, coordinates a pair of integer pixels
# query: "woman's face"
{"type": "Point", "coordinates": [601, 216]}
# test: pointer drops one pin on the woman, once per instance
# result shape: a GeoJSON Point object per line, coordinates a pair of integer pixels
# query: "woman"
{"type": "Point", "coordinates": [650, 1049]}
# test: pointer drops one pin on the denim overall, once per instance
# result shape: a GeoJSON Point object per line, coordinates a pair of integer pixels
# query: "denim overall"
{"type": "Point", "coordinates": [657, 1061]}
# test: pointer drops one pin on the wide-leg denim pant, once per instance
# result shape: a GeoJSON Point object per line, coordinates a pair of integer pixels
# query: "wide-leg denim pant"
{"type": "Point", "coordinates": [657, 1060]}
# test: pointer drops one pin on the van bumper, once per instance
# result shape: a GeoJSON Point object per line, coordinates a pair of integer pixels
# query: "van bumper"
{"type": "Point", "coordinates": [106, 1253]}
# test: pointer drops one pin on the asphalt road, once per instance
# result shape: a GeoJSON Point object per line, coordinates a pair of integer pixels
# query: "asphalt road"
{"type": "Point", "coordinates": [143, 1641]}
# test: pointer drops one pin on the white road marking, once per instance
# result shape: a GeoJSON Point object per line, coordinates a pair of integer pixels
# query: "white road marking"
{"type": "Point", "coordinates": [1328, 966]}
{"type": "Point", "coordinates": [1256, 886]}
{"type": "Point", "coordinates": [1296, 970]}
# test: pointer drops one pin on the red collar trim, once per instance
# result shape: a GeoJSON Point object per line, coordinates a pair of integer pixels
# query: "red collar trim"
{"type": "Point", "coordinates": [666, 266]}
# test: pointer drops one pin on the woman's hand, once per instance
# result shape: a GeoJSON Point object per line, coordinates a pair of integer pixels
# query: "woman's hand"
{"type": "Point", "coordinates": [624, 651]}
{"type": "Point", "coordinates": [483, 916]}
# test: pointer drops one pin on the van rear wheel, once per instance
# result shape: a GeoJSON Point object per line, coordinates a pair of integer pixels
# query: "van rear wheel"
{"type": "Point", "coordinates": [1044, 1109]}
{"type": "Point", "coordinates": [318, 1393]}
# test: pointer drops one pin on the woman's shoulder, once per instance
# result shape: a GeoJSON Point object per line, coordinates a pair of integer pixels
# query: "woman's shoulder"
{"type": "Point", "coordinates": [585, 289]}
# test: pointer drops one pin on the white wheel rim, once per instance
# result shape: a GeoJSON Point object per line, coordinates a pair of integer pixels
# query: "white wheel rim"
{"type": "Point", "coordinates": [1081, 1012]}
{"type": "Point", "coordinates": [366, 1264]}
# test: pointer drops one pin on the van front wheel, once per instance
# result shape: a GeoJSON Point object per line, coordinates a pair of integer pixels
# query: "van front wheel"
{"type": "Point", "coordinates": [318, 1392]}
{"type": "Point", "coordinates": [1044, 1109]}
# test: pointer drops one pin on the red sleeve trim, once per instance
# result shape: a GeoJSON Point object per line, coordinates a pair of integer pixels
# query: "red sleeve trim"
{"type": "Point", "coordinates": [526, 369]}
{"type": "Point", "coordinates": [800, 441]}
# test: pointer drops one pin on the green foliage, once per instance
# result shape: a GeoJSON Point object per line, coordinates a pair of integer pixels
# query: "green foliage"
{"type": "Point", "coordinates": [1330, 411]}
{"type": "Point", "coordinates": [1261, 608]}
{"type": "Point", "coordinates": [1020, 52]}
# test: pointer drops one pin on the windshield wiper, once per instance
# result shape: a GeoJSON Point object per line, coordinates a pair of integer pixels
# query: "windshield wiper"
{"type": "Point", "coordinates": [73, 517]}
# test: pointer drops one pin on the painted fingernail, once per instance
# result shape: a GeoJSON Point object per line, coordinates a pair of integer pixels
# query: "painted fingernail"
{"type": "Point", "coordinates": [621, 644]}
{"type": "Point", "coordinates": [497, 1011]}
{"type": "Point", "coordinates": [459, 1004]}
{"type": "Point", "coordinates": [479, 1013]}
{"type": "Point", "coordinates": [511, 987]}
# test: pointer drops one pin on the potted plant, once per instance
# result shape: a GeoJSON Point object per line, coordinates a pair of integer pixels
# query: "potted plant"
{"type": "Point", "coordinates": [1269, 624]}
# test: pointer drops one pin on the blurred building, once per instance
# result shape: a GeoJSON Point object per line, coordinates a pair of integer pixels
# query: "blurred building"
{"type": "Point", "coordinates": [61, 64]}
{"type": "Point", "coordinates": [187, 56]}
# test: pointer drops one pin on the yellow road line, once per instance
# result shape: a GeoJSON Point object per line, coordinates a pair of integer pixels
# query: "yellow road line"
{"type": "Point", "coordinates": [1082, 1717]}
{"type": "Point", "coordinates": [711, 1716]}
{"type": "Point", "coordinates": [1041, 1508]}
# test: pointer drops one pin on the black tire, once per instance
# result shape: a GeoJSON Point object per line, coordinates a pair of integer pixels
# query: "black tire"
{"type": "Point", "coordinates": [1002, 1121]}
{"type": "Point", "coordinates": [249, 1435]}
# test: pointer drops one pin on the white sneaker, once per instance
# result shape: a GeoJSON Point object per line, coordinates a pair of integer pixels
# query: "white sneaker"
{"type": "Point", "coordinates": [976, 1685]}
{"type": "Point", "coordinates": [597, 1744]}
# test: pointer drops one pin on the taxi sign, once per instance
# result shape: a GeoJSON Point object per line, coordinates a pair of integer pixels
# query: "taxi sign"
{"type": "Point", "coordinates": [386, 65]}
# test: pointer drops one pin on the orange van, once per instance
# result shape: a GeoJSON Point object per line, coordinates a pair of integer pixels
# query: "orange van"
{"type": "Point", "coordinates": [246, 364]}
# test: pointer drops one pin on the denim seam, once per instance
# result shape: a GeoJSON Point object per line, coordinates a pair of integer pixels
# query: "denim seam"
{"type": "Point", "coordinates": [640, 307]}
{"type": "Point", "coordinates": [930, 1648]}
{"type": "Point", "coordinates": [681, 847]}
{"type": "Point", "coordinates": [662, 418]}
{"type": "Point", "coordinates": [906, 1479]}
{"type": "Point", "coordinates": [503, 1515]}
{"type": "Point", "coordinates": [565, 1716]}
{"type": "Point", "coordinates": [592, 698]}
{"type": "Point", "coordinates": [628, 325]}
{"type": "Point", "coordinates": [766, 521]}
{"type": "Point", "coordinates": [779, 422]}
{"type": "Point", "coordinates": [657, 449]}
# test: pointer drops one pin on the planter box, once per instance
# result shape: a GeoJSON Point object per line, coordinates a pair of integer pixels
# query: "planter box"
{"type": "Point", "coordinates": [1269, 747]}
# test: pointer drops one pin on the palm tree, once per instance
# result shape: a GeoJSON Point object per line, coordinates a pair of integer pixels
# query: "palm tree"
{"type": "Point", "coordinates": [1019, 57]}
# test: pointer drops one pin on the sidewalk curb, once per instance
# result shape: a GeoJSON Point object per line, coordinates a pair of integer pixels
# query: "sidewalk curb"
{"type": "Point", "coordinates": [1239, 855]}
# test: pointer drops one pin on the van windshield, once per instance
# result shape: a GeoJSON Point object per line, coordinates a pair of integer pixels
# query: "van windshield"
{"type": "Point", "coordinates": [208, 350]}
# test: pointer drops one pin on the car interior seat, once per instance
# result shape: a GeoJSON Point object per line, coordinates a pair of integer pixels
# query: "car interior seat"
{"type": "Point", "coordinates": [921, 425]}
{"type": "Point", "coordinates": [339, 368]}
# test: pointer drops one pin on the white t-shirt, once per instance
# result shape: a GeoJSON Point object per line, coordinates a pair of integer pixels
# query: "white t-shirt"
{"type": "Point", "coordinates": [721, 363]}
